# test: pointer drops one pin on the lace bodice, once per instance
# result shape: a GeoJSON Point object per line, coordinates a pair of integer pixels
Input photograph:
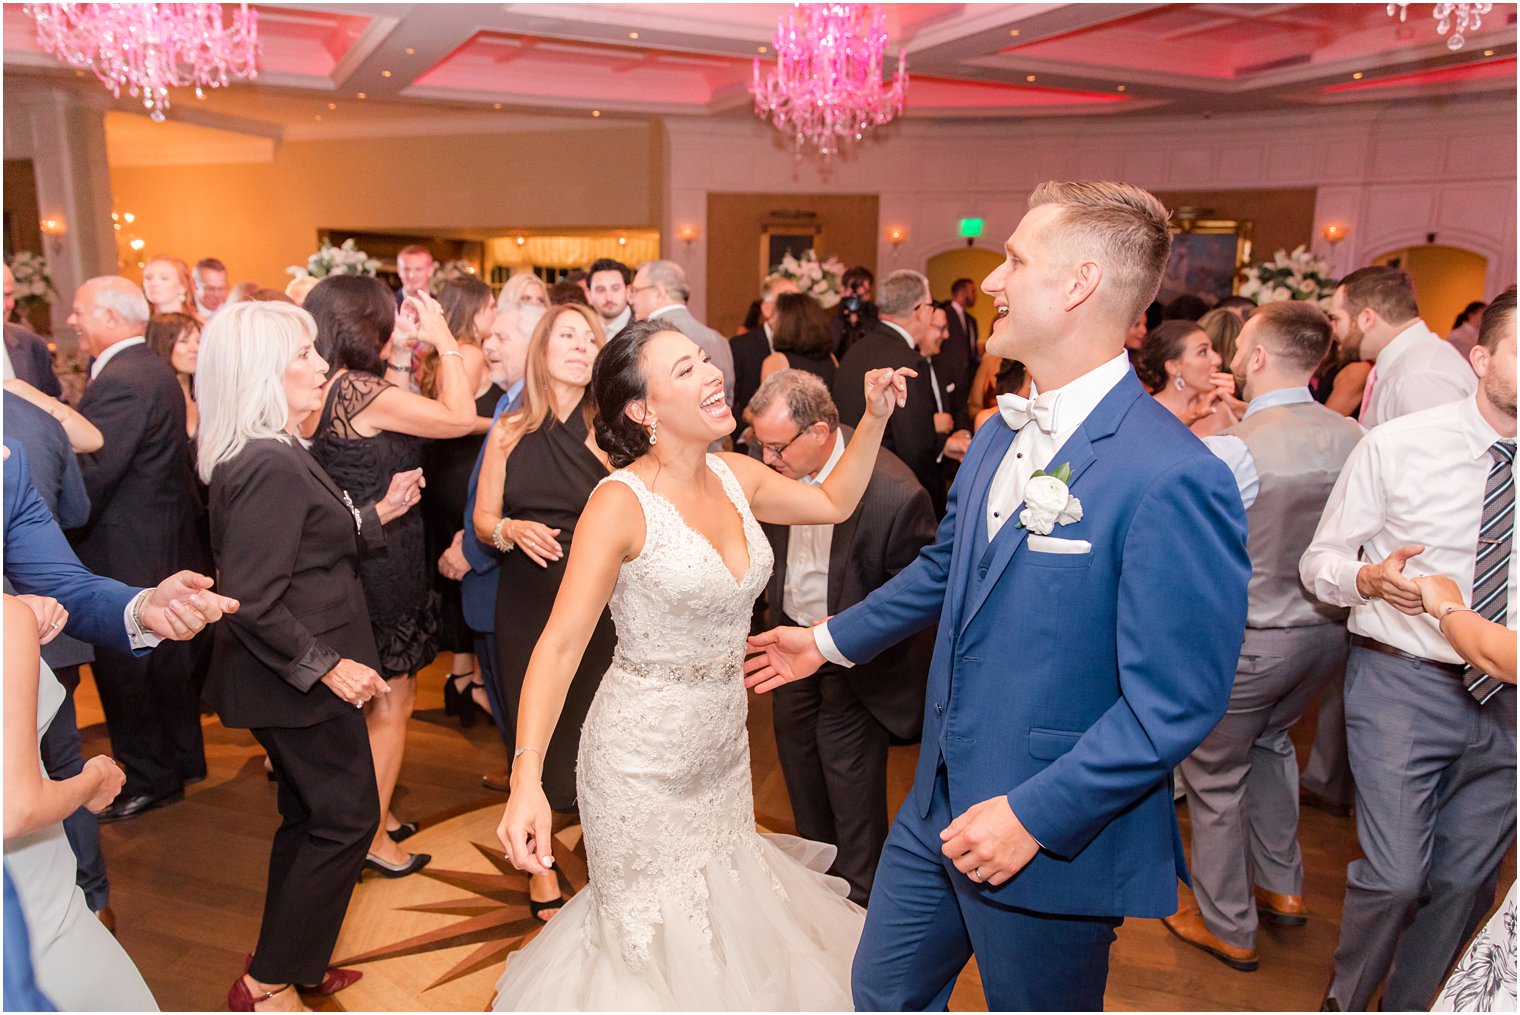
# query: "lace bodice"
{"type": "Point", "coordinates": [677, 603]}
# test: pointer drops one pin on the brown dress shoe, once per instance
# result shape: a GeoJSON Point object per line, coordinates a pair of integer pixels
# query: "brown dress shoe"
{"type": "Point", "coordinates": [500, 783]}
{"type": "Point", "coordinates": [1187, 924]}
{"type": "Point", "coordinates": [1283, 910]}
{"type": "Point", "coordinates": [107, 918]}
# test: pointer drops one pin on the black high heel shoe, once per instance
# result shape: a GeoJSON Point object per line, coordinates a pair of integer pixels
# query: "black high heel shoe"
{"type": "Point", "coordinates": [453, 697]}
{"type": "Point", "coordinates": [415, 862]}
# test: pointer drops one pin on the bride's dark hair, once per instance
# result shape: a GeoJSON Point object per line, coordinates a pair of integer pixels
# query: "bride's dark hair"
{"type": "Point", "coordinates": [617, 378]}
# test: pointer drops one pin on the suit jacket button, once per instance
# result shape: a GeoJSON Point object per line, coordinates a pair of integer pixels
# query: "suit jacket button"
{"type": "Point", "coordinates": [981, 572]}
{"type": "Point", "coordinates": [939, 709]}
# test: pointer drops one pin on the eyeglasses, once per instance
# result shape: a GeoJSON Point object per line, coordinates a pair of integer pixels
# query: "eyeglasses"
{"type": "Point", "coordinates": [637, 288]}
{"type": "Point", "coordinates": [771, 449]}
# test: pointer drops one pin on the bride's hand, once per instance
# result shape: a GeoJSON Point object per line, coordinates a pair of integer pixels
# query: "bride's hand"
{"type": "Point", "coordinates": [885, 389]}
{"type": "Point", "coordinates": [526, 829]}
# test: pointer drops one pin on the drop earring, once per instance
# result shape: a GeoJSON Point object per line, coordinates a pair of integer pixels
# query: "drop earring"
{"type": "Point", "coordinates": [654, 437]}
{"type": "Point", "coordinates": [1180, 384]}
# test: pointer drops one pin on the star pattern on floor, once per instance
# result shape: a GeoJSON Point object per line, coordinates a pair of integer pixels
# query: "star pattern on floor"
{"type": "Point", "coordinates": [497, 920]}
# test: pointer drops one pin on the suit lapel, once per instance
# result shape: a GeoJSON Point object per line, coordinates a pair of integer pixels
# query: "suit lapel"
{"type": "Point", "coordinates": [839, 553]}
{"type": "Point", "coordinates": [315, 468]}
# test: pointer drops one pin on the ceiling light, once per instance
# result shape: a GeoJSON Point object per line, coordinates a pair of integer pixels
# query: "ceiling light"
{"type": "Point", "coordinates": [633, 35]}
{"type": "Point", "coordinates": [496, 106]}
{"type": "Point", "coordinates": [1488, 52]}
{"type": "Point", "coordinates": [1465, 15]}
{"type": "Point", "coordinates": [1122, 88]}
{"type": "Point", "coordinates": [332, 105]}
{"type": "Point", "coordinates": [410, 51]}
{"type": "Point", "coordinates": [596, 112]}
{"type": "Point", "coordinates": [1357, 76]}
{"type": "Point", "coordinates": [385, 73]}
{"type": "Point", "coordinates": [363, 96]}
{"type": "Point", "coordinates": [318, 118]}
{"type": "Point", "coordinates": [1029, 77]}
{"type": "Point", "coordinates": [764, 49]}
{"type": "Point", "coordinates": [1013, 33]}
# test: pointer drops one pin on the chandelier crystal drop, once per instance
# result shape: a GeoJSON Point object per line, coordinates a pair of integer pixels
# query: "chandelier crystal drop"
{"type": "Point", "coordinates": [1464, 16]}
{"type": "Point", "coordinates": [147, 48]}
{"type": "Point", "coordinates": [827, 86]}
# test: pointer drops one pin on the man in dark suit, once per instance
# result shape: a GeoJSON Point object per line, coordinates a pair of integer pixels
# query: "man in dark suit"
{"type": "Point", "coordinates": [144, 513]}
{"type": "Point", "coordinates": [27, 355]}
{"type": "Point", "coordinates": [751, 348]}
{"type": "Point", "coordinates": [962, 352]}
{"type": "Point", "coordinates": [832, 733]}
{"type": "Point", "coordinates": [893, 341]}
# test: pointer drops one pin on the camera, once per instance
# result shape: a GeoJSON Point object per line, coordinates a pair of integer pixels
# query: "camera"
{"type": "Point", "coordinates": [851, 303]}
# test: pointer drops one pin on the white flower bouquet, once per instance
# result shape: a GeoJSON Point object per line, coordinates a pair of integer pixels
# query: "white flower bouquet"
{"type": "Point", "coordinates": [346, 259]}
{"type": "Point", "coordinates": [33, 283]}
{"type": "Point", "coordinates": [1290, 276]}
{"type": "Point", "coordinates": [820, 280]}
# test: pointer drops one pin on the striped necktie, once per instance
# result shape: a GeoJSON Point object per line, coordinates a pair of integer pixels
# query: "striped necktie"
{"type": "Point", "coordinates": [1496, 540]}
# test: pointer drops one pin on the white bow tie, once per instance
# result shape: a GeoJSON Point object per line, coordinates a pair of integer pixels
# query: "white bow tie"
{"type": "Point", "coordinates": [1018, 410]}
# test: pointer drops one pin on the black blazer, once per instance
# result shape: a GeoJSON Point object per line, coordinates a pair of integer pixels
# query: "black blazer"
{"type": "Point", "coordinates": [286, 547]}
{"type": "Point", "coordinates": [910, 432]}
{"type": "Point", "coordinates": [144, 508]}
{"type": "Point", "coordinates": [750, 350]}
{"type": "Point", "coordinates": [32, 359]}
{"type": "Point", "coordinates": [893, 521]}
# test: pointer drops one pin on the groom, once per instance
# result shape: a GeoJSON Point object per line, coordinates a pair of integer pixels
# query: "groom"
{"type": "Point", "coordinates": [1087, 640]}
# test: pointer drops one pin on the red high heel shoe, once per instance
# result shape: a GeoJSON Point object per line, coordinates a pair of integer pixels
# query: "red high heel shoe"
{"type": "Point", "coordinates": [240, 998]}
{"type": "Point", "coordinates": [337, 978]}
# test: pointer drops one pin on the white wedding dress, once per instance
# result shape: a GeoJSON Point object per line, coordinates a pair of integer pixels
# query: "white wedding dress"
{"type": "Point", "coordinates": [687, 907]}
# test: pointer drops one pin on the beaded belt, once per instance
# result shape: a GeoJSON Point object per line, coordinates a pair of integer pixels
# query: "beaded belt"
{"type": "Point", "coordinates": [686, 673]}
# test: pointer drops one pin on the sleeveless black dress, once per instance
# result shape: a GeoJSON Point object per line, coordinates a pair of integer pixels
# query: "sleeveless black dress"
{"type": "Point", "coordinates": [403, 608]}
{"type": "Point", "coordinates": [550, 475]}
{"type": "Point", "coordinates": [823, 367]}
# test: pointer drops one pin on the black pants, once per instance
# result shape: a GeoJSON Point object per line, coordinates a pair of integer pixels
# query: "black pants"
{"type": "Point", "coordinates": [331, 808]}
{"type": "Point", "coordinates": [833, 756]}
{"type": "Point", "coordinates": [153, 716]}
{"type": "Point", "coordinates": [63, 758]}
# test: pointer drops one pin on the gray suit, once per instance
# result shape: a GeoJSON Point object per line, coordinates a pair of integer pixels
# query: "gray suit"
{"type": "Point", "coordinates": [712, 343]}
{"type": "Point", "coordinates": [1242, 781]}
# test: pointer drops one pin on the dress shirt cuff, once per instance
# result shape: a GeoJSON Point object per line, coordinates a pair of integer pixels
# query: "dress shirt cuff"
{"type": "Point", "coordinates": [1335, 581]}
{"type": "Point", "coordinates": [825, 642]}
{"type": "Point", "coordinates": [138, 636]}
{"type": "Point", "coordinates": [312, 667]}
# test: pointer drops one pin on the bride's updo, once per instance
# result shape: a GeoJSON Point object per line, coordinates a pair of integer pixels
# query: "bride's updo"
{"type": "Point", "coordinates": [617, 378]}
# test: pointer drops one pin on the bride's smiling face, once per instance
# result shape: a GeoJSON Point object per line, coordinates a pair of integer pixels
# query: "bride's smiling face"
{"type": "Point", "coordinates": [684, 390]}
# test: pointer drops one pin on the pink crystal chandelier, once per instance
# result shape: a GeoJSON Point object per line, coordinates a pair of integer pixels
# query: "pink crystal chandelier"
{"type": "Point", "coordinates": [826, 86]}
{"type": "Point", "coordinates": [1462, 16]}
{"type": "Point", "coordinates": [147, 48]}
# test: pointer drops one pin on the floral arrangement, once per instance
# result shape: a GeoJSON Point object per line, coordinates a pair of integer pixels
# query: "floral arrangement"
{"type": "Point", "coordinates": [1289, 276]}
{"type": "Point", "coordinates": [820, 280]}
{"type": "Point", "coordinates": [450, 270]}
{"type": "Point", "coordinates": [33, 283]}
{"type": "Point", "coordinates": [347, 259]}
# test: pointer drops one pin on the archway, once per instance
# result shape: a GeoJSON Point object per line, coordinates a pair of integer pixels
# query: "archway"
{"type": "Point", "coordinates": [945, 267]}
{"type": "Point", "coordinates": [1446, 279]}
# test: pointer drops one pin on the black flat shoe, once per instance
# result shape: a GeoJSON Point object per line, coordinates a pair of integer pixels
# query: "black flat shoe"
{"type": "Point", "coordinates": [403, 831]}
{"type": "Point", "coordinates": [415, 862]}
{"type": "Point", "coordinates": [123, 808]}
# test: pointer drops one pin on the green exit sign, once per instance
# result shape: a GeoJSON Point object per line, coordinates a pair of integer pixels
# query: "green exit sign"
{"type": "Point", "coordinates": [971, 228]}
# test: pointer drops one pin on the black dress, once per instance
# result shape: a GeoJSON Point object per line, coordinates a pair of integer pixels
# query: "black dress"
{"type": "Point", "coordinates": [447, 468]}
{"type": "Point", "coordinates": [550, 475]}
{"type": "Point", "coordinates": [403, 608]}
{"type": "Point", "coordinates": [823, 367]}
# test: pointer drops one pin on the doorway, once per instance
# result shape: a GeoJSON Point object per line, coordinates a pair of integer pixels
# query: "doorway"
{"type": "Point", "coordinates": [964, 262]}
{"type": "Point", "coordinates": [1446, 279]}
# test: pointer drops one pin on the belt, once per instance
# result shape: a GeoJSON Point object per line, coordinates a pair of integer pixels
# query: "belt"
{"type": "Point", "coordinates": [1372, 645]}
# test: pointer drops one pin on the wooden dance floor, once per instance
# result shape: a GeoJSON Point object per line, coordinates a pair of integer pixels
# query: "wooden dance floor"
{"type": "Point", "coordinates": [187, 886]}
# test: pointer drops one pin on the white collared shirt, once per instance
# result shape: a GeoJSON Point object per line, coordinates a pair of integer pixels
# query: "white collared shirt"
{"type": "Point", "coordinates": [903, 332]}
{"type": "Point", "coordinates": [1233, 451]}
{"type": "Point", "coordinates": [106, 357]}
{"type": "Point", "coordinates": [1417, 370]}
{"type": "Point", "coordinates": [1031, 449]}
{"type": "Point", "coordinates": [770, 336]}
{"type": "Point", "coordinates": [805, 596]}
{"type": "Point", "coordinates": [618, 323]}
{"type": "Point", "coordinates": [1420, 480]}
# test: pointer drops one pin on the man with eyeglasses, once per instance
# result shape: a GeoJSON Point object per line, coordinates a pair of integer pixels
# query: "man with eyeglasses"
{"type": "Point", "coordinates": [832, 733]}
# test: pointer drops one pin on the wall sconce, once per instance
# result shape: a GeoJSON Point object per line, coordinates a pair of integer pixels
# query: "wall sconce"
{"type": "Point", "coordinates": [521, 240]}
{"type": "Point", "coordinates": [687, 234]}
{"type": "Point", "coordinates": [1334, 233]}
{"type": "Point", "coordinates": [895, 236]}
{"type": "Point", "coordinates": [52, 231]}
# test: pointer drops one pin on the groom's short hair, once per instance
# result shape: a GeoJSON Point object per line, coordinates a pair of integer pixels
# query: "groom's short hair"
{"type": "Point", "coordinates": [1121, 226]}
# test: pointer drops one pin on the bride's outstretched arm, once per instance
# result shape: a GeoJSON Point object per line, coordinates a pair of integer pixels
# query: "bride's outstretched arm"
{"type": "Point", "coordinates": [781, 501]}
{"type": "Point", "coordinates": [610, 531]}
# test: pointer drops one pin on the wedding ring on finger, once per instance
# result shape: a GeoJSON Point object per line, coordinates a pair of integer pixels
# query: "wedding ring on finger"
{"type": "Point", "coordinates": [976, 875]}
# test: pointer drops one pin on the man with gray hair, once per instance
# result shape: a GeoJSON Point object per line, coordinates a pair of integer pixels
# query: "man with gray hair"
{"type": "Point", "coordinates": [660, 290]}
{"type": "Point", "coordinates": [905, 309]}
{"type": "Point", "coordinates": [144, 516]}
{"type": "Point", "coordinates": [832, 733]}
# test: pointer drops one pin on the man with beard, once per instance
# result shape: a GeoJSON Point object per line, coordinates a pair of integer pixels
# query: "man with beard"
{"type": "Point", "coordinates": [607, 292]}
{"type": "Point", "coordinates": [1431, 741]}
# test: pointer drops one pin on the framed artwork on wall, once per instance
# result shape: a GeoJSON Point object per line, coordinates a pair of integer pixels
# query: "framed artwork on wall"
{"type": "Point", "coordinates": [1206, 260]}
{"type": "Point", "coordinates": [776, 241]}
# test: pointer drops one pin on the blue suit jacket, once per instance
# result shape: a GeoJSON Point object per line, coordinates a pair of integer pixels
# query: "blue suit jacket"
{"type": "Point", "coordinates": [1074, 683]}
{"type": "Point", "coordinates": [40, 561]}
{"type": "Point", "coordinates": [478, 587]}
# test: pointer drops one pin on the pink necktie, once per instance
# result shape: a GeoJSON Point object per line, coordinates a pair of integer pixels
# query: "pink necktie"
{"type": "Point", "coordinates": [1367, 395]}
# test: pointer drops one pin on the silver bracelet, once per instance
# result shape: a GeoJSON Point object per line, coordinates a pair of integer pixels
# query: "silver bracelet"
{"type": "Point", "coordinates": [451, 352]}
{"type": "Point", "coordinates": [523, 750]}
{"type": "Point", "coordinates": [500, 541]}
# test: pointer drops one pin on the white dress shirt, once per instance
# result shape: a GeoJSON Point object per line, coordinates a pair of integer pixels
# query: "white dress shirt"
{"type": "Point", "coordinates": [1417, 370]}
{"type": "Point", "coordinates": [1032, 449]}
{"type": "Point", "coordinates": [106, 357]}
{"type": "Point", "coordinates": [1418, 479]}
{"type": "Point", "coordinates": [805, 595]}
{"type": "Point", "coordinates": [1233, 451]}
{"type": "Point", "coordinates": [618, 323]}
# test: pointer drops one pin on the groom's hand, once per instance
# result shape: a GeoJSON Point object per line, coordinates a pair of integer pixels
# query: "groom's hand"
{"type": "Point", "coordinates": [783, 654]}
{"type": "Point", "coordinates": [989, 843]}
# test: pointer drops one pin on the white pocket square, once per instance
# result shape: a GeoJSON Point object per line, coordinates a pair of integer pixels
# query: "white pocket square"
{"type": "Point", "coordinates": [1050, 544]}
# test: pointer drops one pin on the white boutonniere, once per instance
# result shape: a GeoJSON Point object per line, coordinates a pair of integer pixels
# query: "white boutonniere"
{"type": "Point", "coordinates": [1048, 501]}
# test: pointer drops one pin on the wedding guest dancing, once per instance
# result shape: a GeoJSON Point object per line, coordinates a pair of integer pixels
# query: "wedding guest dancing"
{"type": "Point", "coordinates": [687, 907]}
{"type": "Point", "coordinates": [1242, 781]}
{"type": "Point", "coordinates": [1431, 740]}
{"type": "Point", "coordinates": [367, 431]}
{"type": "Point", "coordinates": [832, 733]}
{"type": "Point", "coordinates": [297, 663]}
{"type": "Point", "coordinates": [540, 465]}
{"type": "Point", "coordinates": [1039, 820]}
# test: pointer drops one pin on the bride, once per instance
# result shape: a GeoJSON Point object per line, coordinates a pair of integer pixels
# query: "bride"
{"type": "Point", "coordinates": [687, 906]}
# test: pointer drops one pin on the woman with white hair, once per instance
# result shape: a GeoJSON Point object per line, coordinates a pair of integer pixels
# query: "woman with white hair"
{"type": "Point", "coordinates": [298, 660]}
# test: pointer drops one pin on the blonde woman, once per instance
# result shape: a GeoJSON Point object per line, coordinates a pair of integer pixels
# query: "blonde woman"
{"type": "Point", "coordinates": [523, 289]}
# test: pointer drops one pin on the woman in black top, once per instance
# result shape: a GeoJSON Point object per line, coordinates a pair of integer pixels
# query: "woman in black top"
{"type": "Point", "coordinates": [367, 430]}
{"type": "Point", "coordinates": [540, 467]}
{"type": "Point", "coordinates": [298, 656]}
{"type": "Point", "coordinates": [802, 339]}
